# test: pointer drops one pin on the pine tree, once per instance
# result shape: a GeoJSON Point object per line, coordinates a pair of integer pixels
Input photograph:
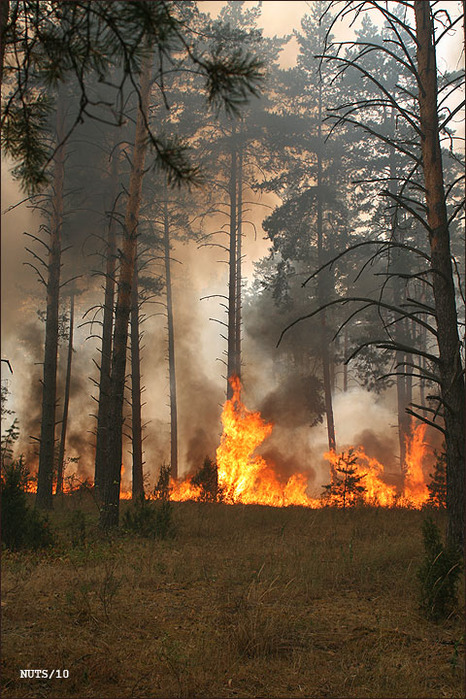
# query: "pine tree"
{"type": "Point", "coordinates": [438, 481]}
{"type": "Point", "coordinates": [346, 488]}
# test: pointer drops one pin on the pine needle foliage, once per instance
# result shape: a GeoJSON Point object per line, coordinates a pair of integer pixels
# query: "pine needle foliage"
{"type": "Point", "coordinates": [22, 527]}
{"type": "Point", "coordinates": [438, 484]}
{"type": "Point", "coordinates": [149, 519]}
{"type": "Point", "coordinates": [438, 574]}
{"type": "Point", "coordinates": [346, 488]}
{"type": "Point", "coordinates": [207, 479]}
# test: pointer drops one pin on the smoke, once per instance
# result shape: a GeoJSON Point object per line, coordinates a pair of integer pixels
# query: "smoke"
{"type": "Point", "coordinates": [296, 401]}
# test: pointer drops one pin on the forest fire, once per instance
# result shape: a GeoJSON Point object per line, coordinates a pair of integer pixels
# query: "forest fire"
{"type": "Point", "coordinates": [246, 478]}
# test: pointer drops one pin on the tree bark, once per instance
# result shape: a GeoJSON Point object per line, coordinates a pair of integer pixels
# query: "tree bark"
{"type": "Point", "coordinates": [4, 13]}
{"type": "Point", "coordinates": [239, 254]}
{"type": "Point", "coordinates": [49, 385]}
{"type": "Point", "coordinates": [232, 363]}
{"type": "Point", "coordinates": [450, 367]}
{"type": "Point", "coordinates": [106, 348]}
{"type": "Point", "coordinates": [171, 347]}
{"type": "Point", "coordinates": [66, 402]}
{"type": "Point", "coordinates": [325, 344]}
{"type": "Point", "coordinates": [109, 513]}
{"type": "Point", "coordinates": [136, 421]}
{"type": "Point", "coordinates": [345, 365]}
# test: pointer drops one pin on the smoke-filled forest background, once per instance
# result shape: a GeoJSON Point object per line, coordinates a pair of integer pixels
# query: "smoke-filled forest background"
{"type": "Point", "coordinates": [232, 453]}
{"type": "Point", "coordinates": [310, 180]}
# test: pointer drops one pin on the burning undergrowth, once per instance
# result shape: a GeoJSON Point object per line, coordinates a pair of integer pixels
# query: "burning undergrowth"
{"type": "Point", "coordinates": [277, 477]}
{"type": "Point", "coordinates": [246, 477]}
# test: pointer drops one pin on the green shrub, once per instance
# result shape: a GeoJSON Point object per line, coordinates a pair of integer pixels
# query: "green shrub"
{"type": "Point", "coordinates": [150, 519]}
{"type": "Point", "coordinates": [207, 480]}
{"type": "Point", "coordinates": [438, 575]}
{"type": "Point", "coordinates": [346, 488]}
{"type": "Point", "coordinates": [22, 527]}
{"type": "Point", "coordinates": [162, 487]}
{"type": "Point", "coordinates": [438, 481]}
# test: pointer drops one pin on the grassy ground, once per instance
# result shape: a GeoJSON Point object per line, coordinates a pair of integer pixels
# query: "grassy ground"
{"type": "Point", "coordinates": [243, 602]}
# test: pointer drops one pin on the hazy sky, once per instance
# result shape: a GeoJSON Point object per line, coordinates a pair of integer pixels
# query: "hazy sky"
{"type": "Point", "coordinates": [280, 17]}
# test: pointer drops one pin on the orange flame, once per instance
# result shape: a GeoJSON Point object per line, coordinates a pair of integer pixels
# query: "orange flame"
{"type": "Point", "coordinates": [245, 477]}
{"type": "Point", "coordinates": [415, 488]}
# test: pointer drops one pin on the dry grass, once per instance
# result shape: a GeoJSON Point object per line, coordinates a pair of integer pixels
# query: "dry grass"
{"type": "Point", "coordinates": [244, 602]}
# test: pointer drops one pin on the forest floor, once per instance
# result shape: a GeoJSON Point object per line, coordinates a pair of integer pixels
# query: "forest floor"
{"type": "Point", "coordinates": [244, 601]}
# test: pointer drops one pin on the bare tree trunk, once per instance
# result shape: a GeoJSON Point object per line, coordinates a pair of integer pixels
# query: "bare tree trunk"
{"type": "Point", "coordinates": [450, 366]}
{"type": "Point", "coordinates": [66, 402]}
{"type": "Point", "coordinates": [49, 386]}
{"type": "Point", "coordinates": [106, 349]}
{"type": "Point", "coordinates": [239, 253]}
{"type": "Point", "coordinates": [232, 363]}
{"type": "Point", "coordinates": [136, 421]}
{"type": "Point", "coordinates": [109, 513]}
{"type": "Point", "coordinates": [324, 340]}
{"type": "Point", "coordinates": [4, 12]}
{"type": "Point", "coordinates": [171, 347]}
{"type": "Point", "coordinates": [345, 365]}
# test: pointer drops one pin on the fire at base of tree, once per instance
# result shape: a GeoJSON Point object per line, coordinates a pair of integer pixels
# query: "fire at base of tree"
{"type": "Point", "coordinates": [193, 205]}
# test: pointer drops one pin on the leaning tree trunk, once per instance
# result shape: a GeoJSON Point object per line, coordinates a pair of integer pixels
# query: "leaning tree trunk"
{"type": "Point", "coordinates": [232, 363]}
{"type": "Point", "coordinates": [136, 421]}
{"type": "Point", "coordinates": [103, 411]}
{"type": "Point", "coordinates": [109, 513]}
{"type": "Point", "coordinates": [450, 366]}
{"type": "Point", "coordinates": [171, 345]}
{"type": "Point", "coordinates": [49, 385]}
{"type": "Point", "coordinates": [66, 402]}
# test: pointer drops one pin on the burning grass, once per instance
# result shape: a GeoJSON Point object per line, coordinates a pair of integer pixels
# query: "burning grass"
{"type": "Point", "coordinates": [245, 477]}
{"type": "Point", "coordinates": [245, 601]}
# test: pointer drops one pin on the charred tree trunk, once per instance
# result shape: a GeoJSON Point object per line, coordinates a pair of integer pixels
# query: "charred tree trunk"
{"type": "Point", "coordinates": [345, 365]}
{"type": "Point", "coordinates": [171, 347]}
{"type": "Point", "coordinates": [398, 300]}
{"type": "Point", "coordinates": [136, 421]}
{"type": "Point", "coordinates": [450, 366]}
{"type": "Point", "coordinates": [239, 254]}
{"type": "Point", "coordinates": [66, 402]}
{"type": "Point", "coordinates": [106, 349]}
{"type": "Point", "coordinates": [325, 344]}
{"type": "Point", "coordinates": [109, 513]}
{"type": "Point", "coordinates": [232, 363]}
{"type": "Point", "coordinates": [49, 386]}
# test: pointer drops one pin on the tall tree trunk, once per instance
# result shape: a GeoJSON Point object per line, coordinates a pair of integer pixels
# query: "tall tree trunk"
{"type": "Point", "coordinates": [49, 386]}
{"type": "Point", "coordinates": [450, 366]}
{"type": "Point", "coordinates": [171, 346]}
{"type": "Point", "coordinates": [4, 12]}
{"type": "Point", "coordinates": [403, 419]}
{"type": "Point", "coordinates": [239, 254]}
{"type": "Point", "coordinates": [324, 340]}
{"type": "Point", "coordinates": [66, 402]}
{"type": "Point", "coordinates": [106, 348]}
{"type": "Point", "coordinates": [232, 363]}
{"type": "Point", "coordinates": [109, 513]}
{"type": "Point", "coordinates": [345, 365]}
{"type": "Point", "coordinates": [136, 433]}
